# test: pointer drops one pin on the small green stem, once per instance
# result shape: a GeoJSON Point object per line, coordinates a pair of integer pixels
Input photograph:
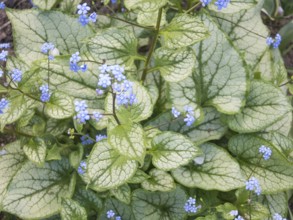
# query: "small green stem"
{"type": "Point", "coordinates": [153, 44]}
{"type": "Point", "coordinates": [286, 83]}
{"type": "Point", "coordinates": [131, 23]}
{"type": "Point", "coordinates": [192, 8]}
{"type": "Point", "coordinates": [114, 110]}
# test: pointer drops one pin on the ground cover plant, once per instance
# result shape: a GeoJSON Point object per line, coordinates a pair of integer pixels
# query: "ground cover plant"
{"type": "Point", "coordinates": [153, 110]}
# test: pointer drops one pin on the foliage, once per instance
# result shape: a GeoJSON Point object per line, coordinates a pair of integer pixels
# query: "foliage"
{"type": "Point", "coordinates": [158, 111]}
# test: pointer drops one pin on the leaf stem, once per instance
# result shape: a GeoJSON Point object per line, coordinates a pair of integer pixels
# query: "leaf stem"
{"type": "Point", "coordinates": [192, 8]}
{"type": "Point", "coordinates": [286, 83]}
{"type": "Point", "coordinates": [153, 44]}
{"type": "Point", "coordinates": [131, 23]}
{"type": "Point", "coordinates": [114, 110]}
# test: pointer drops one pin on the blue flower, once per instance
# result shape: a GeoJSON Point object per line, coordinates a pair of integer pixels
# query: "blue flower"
{"type": "Point", "coordinates": [45, 93]}
{"type": "Point", "coordinates": [82, 114]}
{"type": "Point", "coordinates": [93, 17]}
{"type": "Point", "coordinates": [83, 9]}
{"type": "Point", "coordinates": [239, 218]}
{"type": "Point", "coordinates": [205, 2]}
{"type": "Point", "coordinates": [189, 119]}
{"type": "Point", "coordinates": [80, 106]}
{"type": "Point", "coordinates": [84, 20]}
{"type": "Point", "coordinates": [75, 58]}
{"type": "Point", "coordinates": [99, 92]}
{"type": "Point", "coordinates": [269, 41]}
{"type": "Point", "coordinates": [175, 112]}
{"type": "Point", "coordinates": [16, 75]}
{"type": "Point", "coordinates": [74, 67]}
{"type": "Point", "coordinates": [2, 5]}
{"type": "Point", "coordinates": [110, 214]}
{"type": "Point", "coordinates": [97, 116]}
{"type": "Point", "coordinates": [117, 72]}
{"type": "Point", "coordinates": [1, 73]}
{"type": "Point", "coordinates": [104, 80]}
{"type": "Point", "coordinates": [253, 185]}
{"type": "Point", "coordinates": [118, 218]}
{"type": "Point", "coordinates": [82, 167]}
{"type": "Point", "coordinates": [190, 206]}
{"type": "Point", "coordinates": [46, 47]}
{"type": "Point", "coordinates": [278, 217]}
{"type": "Point", "coordinates": [5, 45]}
{"type": "Point", "coordinates": [104, 68]}
{"type": "Point", "coordinates": [277, 42]}
{"type": "Point", "coordinates": [86, 140]}
{"type": "Point", "coordinates": [222, 4]}
{"type": "Point", "coordinates": [3, 105]}
{"type": "Point", "coordinates": [83, 68]}
{"type": "Point", "coordinates": [3, 55]}
{"type": "Point", "coordinates": [100, 137]}
{"type": "Point", "coordinates": [266, 151]}
{"type": "Point", "coordinates": [234, 212]}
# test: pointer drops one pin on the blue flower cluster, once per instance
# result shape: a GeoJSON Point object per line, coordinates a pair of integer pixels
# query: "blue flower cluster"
{"type": "Point", "coordinates": [84, 19]}
{"type": "Point", "coordinates": [111, 214]}
{"type": "Point", "coordinates": [49, 49]}
{"type": "Point", "coordinates": [235, 213]}
{"type": "Point", "coordinates": [81, 109]}
{"type": "Point", "coordinates": [2, 5]}
{"type": "Point", "coordinates": [45, 93]}
{"type": "Point", "coordinates": [86, 140]}
{"type": "Point", "coordinates": [190, 205]}
{"type": "Point", "coordinates": [3, 55]}
{"type": "Point", "coordinates": [275, 42]}
{"type": "Point", "coordinates": [266, 151]}
{"type": "Point", "coordinates": [222, 4]}
{"type": "Point", "coordinates": [5, 45]}
{"type": "Point", "coordinates": [113, 76]}
{"type": "Point", "coordinates": [205, 2]}
{"type": "Point", "coordinates": [278, 217]}
{"type": "Point", "coordinates": [189, 115]}
{"type": "Point", "coordinates": [3, 105]}
{"type": "Point", "coordinates": [253, 185]}
{"type": "Point", "coordinates": [100, 137]}
{"type": "Point", "coordinates": [74, 59]}
{"type": "Point", "coordinates": [16, 75]}
{"type": "Point", "coordinates": [82, 167]}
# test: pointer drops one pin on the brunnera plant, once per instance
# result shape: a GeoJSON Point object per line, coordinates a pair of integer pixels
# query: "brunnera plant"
{"type": "Point", "coordinates": [155, 112]}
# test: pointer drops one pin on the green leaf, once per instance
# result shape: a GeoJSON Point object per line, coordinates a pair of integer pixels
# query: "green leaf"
{"type": "Point", "coordinates": [145, 5]}
{"type": "Point", "coordinates": [56, 127]}
{"type": "Point", "coordinates": [54, 153]}
{"type": "Point", "coordinates": [149, 18]}
{"type": "Point", "coordinates": [283, 125]}
{"type": "Point", "coordinates": [184, 30]}
{"type": "Point", "coordinates": [60, 106]}
{"type": "Point", "coordinates": [78, 85]}
{"type": "Point", "coordinates": [265, 104]}
{"type": "Point", "coordinates": [159, 205]}
{"type": "Point", "coordinates": [88, 199]}
{"type": "Point", "coordinates": [235, 6]}
{"type": "Point", "coordinates": [219, 78]}
{"type": "Point", "coordinates": [75, 156]}
{"type": "Point", "coordinates": [107, 168]}
{"type": "Point", "coordinates": [276, 203]}
{"type": "Point", "coordinates": [71, 210]}
{"type": "Point", "coordinates": [210, 128]}
{"type": "Point", "coordinates": [115, 46]}
{"type": "Point", "coordinates": [129, 141]}
{"type": "Point", "coordinates": [171, 150]}
{"type": "Point", "coordinates": [138, 177]}
{"type": "Point", "coordinates": [35, 150]}
{"type": "Point", "coordinates": [32, 28]}
{"type": "Point", "coordinates": [122, 193]}
{"type": "Point", "coordinates": [120, 209]}
{"type": "Point", "coordinates": [219, 170]}
{"type": "Point", "coordinates": [246, 30]}
{"type": "Point", "coordinates": [45, 4]}
{"type": "Point", "coordinates": [174, 65]}
{"type": "Point", "coordinates": [140, 110]}
{"type": "Point", "coordinates": [256, 210]}
{"type": "Point", "coordinates": [274, 175]}
{"type": "Point", "coordinates": [36, 192]}
{"type": "Point", "coordinates": [16, 108]}
{"type": "Point", "coordinates": [159, 181]}
{"type": "Point", "coordinates": [11, 160]}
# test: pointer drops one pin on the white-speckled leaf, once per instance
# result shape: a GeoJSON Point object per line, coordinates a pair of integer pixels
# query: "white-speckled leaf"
{"type": "Point", "coordinates": [138, 177]}
{"type": "Point", "coordinates": [171, 150]}
{"type": "Point", "coordinates": [265, 105]}
{"type": "Point", "coordinates": [219, 170]}
{"type": "Point", "coordinates": [145, 204]}
{"type": "Point", "coordinates": [44, 4]}
{"type": "Point", "coordinates": [184, 30]}
{"type": "Point", "coordinates": [107, 168]}
{"type": "Point", "coordinates": [274, 175]}
{"type": "Point", "coordinates": [72, 210]}
{"type": "Point", "coordinates": [145, 5]}
{"type": "Point", "coordinates": [128, 141]}
{"type": "Point", "coordinates": [35, 150]}
{"type": "Point", "coordinates": [276, 203]}
{"type": "Point", "coordinates": [36, 192]}
{"type": "Point", "coordinates": [32, 28]}
{"type": "Point", "coordinates": [149, 18]}
{"type": "Point", "coordinates": [115, 46]}
{"type": "Point", "coordinates": [60, 106]}
{"type": "Point", "coordinates": [219, 78]}
{"type": "Point", "coordinates": [175, 65]}
{"type": "Point", "coordinates": [138, 111]}
{"type": "Point", "coordinates": [159, 180]}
